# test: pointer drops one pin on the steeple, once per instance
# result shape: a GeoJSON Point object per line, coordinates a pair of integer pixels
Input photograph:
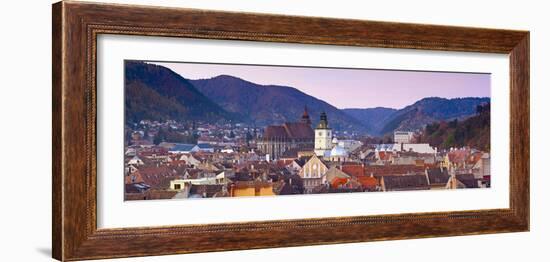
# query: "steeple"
{"type": "Point", "coordinates": [323, 124]}
{"type": "Point", "coordinates": [305, 117]}
{"type": "Point", "coordinates": [323, 137]}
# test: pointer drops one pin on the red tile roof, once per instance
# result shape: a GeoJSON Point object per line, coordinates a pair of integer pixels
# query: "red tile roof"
{"type": "Point", "coordinates": [289, 131]}
{"type": "Point", "coordinates": [158, 177]}
{"type": "Point", "coordinates": [412, 182]}
{"type": "Point", "coordinates": [338, 181]}
{"type": "Point", "coordinates": [355, 170]}
{"type": "Point", "coordinates": [367, 181]}
{"type": "Point", "coordinates": [385, 170]}
{"type": "Point", "coordinates": [133, 178]}
{"type": "Point", "coordinates": [299, 130]}
{"type": "Point", "coordinates": [458, 156]}
{"type": "Point", "coordinates": [275, 132]}
{"type": "Point", "coordinates": [384, 155]}
{"type": "Point", "coordinates": [283, 163]}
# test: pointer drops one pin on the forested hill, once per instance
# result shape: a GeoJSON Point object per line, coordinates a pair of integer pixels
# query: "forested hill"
{"type": "Point", "coordinates": [271, 104]}
{"type": "Point", "coordinates": [157, 93]}
{"type": "Point", "coordinates": [381, 121]}
{"type": "Point", "coordinates": [474, 132]}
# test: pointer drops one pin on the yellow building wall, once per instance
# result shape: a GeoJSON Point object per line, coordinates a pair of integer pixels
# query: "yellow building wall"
{"type": "Point", "coordinates": [266, 191]}
{"type": "Point", "coordinates": [250, 191]}
{"type": "Point", "coordinates": [244, 192]}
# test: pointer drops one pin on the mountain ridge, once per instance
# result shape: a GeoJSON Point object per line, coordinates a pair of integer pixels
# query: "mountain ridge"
{"type": "Point", "coordinates": [473, 132]}
{"type": "Point", "coordinates": [418, 114]}
{"type": "Point", "coordinates": [158, 93]}
{"type": "Point", "coordinates": [270, 104]}
{"type": "Point", "coordinates": [149, 88]}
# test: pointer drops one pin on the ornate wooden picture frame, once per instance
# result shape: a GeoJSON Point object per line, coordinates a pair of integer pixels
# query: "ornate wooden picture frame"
{"type": "Point", "coordinates": [76, 27]}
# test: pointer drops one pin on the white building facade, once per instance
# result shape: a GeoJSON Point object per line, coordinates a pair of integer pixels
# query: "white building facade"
{"type": "Point", "coordinates": [402, 137]}
{"type": "Point", "coordinates": [323, 137]}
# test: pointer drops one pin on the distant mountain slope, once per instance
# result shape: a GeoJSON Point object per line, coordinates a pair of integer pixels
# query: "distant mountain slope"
{"type": "Point", "coordinates": [271, 104]}
{"type": "Point", "coordinates": [382, 120]}
{"type": "Point", "coordinates": [370, 117]}
{"type": "Point", "coordinates": [431, 109]}
{"type": "Point", "coordinates": [474, 132]}
{"type": "Point", "coordinates": [157, 93]}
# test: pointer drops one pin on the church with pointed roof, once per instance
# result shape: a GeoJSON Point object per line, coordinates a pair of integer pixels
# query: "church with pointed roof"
{"type": "Point", "coordinates": [291, 135]}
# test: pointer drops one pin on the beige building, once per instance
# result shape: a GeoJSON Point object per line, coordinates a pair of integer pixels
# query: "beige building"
{"type": "Point", "coordinates": [312, 173]}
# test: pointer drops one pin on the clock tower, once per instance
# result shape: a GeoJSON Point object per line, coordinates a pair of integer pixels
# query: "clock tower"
{"type": "Point", "coordinates": [323, 137]}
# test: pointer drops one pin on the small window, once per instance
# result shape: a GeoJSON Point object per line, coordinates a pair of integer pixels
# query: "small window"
{"type": "Point", "coordinates": [177, 186]}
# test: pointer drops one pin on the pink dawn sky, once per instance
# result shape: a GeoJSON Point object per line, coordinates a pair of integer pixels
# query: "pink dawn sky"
{"type": "Point", "coordinates": [350, 88]}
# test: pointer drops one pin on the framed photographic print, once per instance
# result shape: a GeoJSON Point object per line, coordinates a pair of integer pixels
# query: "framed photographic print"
{"type": "Point", "coordinates": [181, 130]}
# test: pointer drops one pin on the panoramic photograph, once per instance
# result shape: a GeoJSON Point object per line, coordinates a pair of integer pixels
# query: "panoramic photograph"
{"type": "Point", "coordinates": [206, 130]}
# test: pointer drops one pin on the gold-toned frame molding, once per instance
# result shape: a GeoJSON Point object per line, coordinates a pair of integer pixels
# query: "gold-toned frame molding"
{"type": "Point", "coordinates": [75, 28]}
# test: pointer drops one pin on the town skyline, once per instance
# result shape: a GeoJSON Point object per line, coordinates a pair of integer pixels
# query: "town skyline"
{"type": "Point", "coordinates": [227, 137]}
{"type": "Point", "coordinates": [319, 82]}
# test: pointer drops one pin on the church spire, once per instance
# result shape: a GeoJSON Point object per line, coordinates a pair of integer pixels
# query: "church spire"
{"type": "Point", "coordinates": [305, 117]}
{"type": "Point", "coordinates": [323, 124]}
